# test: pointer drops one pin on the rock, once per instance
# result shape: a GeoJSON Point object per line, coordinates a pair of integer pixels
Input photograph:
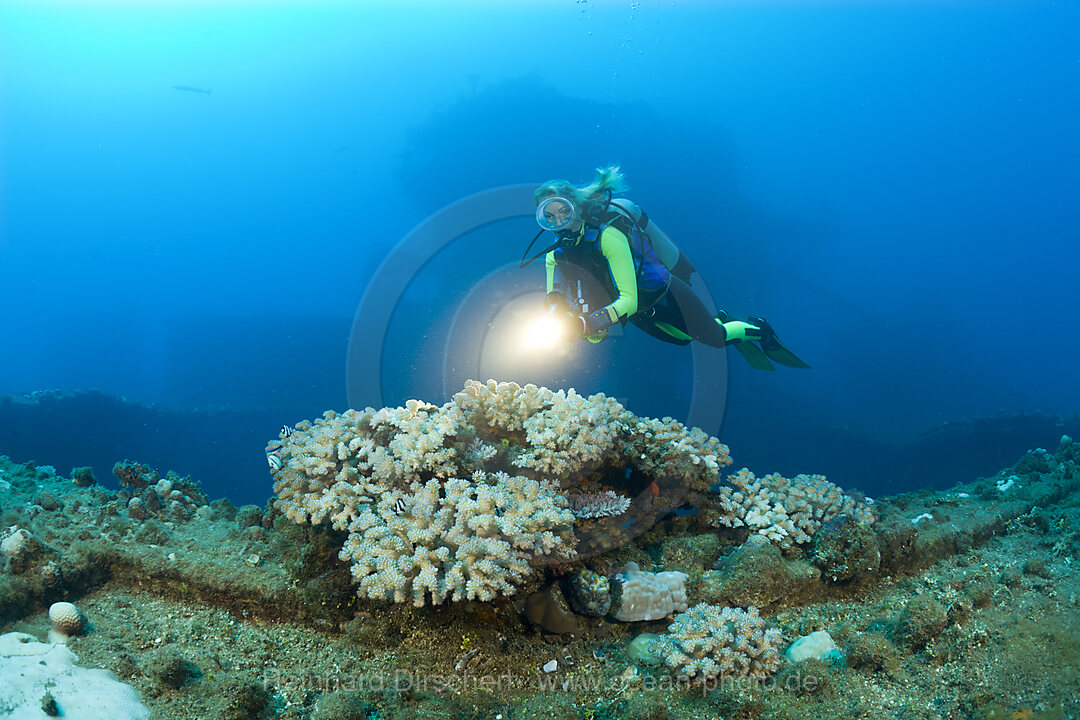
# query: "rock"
{"type": "Point", "coordinates": [170, 668]}
{"type": "Point", "coordinates": [20, 549]}
{"type": "Point", "coordinates": [548, 609]}
{"type": "Point", "coordinates": [922, 621]}
{"type": "Point", "coordinates": [757, 574]}
{"type": "Point", "coordinates": [48, 500]}
{"type": "Point", "coordinates": [83, 476]}
{"type": "Point", "coordinates": [845, 548]}
{"type": "Point", "coordinates": [815, 646]}
{"type": "Point", "coordinates": [640, 649]}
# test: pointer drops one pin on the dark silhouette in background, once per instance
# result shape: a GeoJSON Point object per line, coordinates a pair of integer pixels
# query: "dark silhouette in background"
{"type": "Point", "coordinates": [224, 449]}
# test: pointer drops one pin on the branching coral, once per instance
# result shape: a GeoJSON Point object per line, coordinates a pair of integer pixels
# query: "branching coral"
{"type": "Point", "coordinates": [462, 501]}
{"type": "Point", "coordinates": [597, 505]}
{"type": "Point", "coordinates": [787, 511]}
{"type": "Point", "coordinates": [708, 642]}
{"type": "Point", "coordinates": [465, 539]}
{"type": "Point", "coordinates": [668, 449]}
{"type": "Point", "coordinates": [572, 432]}
{"type": "Point", "coordinates": [425, 521]}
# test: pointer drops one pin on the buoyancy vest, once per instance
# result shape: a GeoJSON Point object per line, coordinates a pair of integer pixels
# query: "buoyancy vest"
{"type": "Point", "coordinates": [651, 274]}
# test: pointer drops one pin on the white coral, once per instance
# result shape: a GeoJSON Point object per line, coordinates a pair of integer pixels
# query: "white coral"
{"type": "Point", "coordinates": [19, 543]}
{"type": "Point", "coordinates": [649, 596]}
{"type": "Point", "coordinates": [788, 512]}
{"type": "Point", "coordinates": [571, 432]}
{"type": "Point", "coordinates": [668, 450]}
{"type": "Point", "coordinates": [461, 540]}
{"type": "Point", "coordinates": [66, 621]}
{"type": "Point", "coordinates": [427, 520]}
{"type": "Point", "coordinates": [708, 642]}
{"type": "Point", "coordinates": [598, 505]}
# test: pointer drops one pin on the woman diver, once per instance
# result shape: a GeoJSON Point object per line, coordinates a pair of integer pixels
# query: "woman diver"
{"type": "Point", "coordinates": [642, 276]}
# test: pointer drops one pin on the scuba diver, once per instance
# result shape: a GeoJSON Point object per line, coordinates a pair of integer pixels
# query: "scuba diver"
{"type": "Point", "coordinates": [642, 276]}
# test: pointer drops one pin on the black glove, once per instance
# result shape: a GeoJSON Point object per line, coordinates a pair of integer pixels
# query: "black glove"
{"type": "Point", "coordinates": [580, 324]}
{"type": "Point", "coordinates": [595, 324]}
{"type": "Point", "coordinates": [557, 304]}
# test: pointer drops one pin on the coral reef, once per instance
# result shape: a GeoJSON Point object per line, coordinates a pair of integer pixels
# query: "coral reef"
{"type": "Point", "coordinates": [461, 502]}
{"type": "Point", "coordinates": [83, 476]}
{"type": "Point", "coordinates": [756, 573]}
{"type": "Point", "coordinates": [549, 609]}
{"type": "Point", "coordinates": [42, 678]}
{"type": "Point", "coordinates": [147, 494]}
{"type": "Point", "coordinates": [457, 540]}
{"type": "Point", "coordinates": [845, 548]}
{"type": "Point", "coordinates": [708, 642]}
{"type": "Point", "coordinates": [19, 548]}
{"type": "Point", "coordinates": [245, 613]}
{"type": "Point", "coordinates": [787, 511]}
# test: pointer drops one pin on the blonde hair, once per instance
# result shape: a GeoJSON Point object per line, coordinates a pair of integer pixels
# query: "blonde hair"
{"type": "Point", "coordinates": [608, 179]}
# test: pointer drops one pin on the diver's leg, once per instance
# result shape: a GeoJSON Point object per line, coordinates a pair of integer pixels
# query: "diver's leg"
{"type": "Point", "coordinates": [697, 321]}
{"type": "Point", "coordinates": [718, 330]}
{"type": "Point", "coordinates": [662, 331]}
{"type": "Point", "coordinates": [662, 322]}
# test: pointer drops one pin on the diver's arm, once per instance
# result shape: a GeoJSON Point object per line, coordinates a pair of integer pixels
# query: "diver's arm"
{"type": "Point", "coordinates": [550, 264]}
{"type": "Point", "coordinates": [554, 300]}
{"type": "Point", "coordinates": [616, 249]}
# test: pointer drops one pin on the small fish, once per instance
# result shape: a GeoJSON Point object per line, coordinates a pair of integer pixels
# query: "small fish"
{"type": "Point", "coordinates": [464, 661]}
{"type": "Point", "coordinates": [188, 88]}
{"type": "Point", "coordinates": [399, 506]}
{"type": "Point", "coordinates": [567, 658]}
{"type": "Point", "coordinates": [274, 461]}
{"type": "Point", "coordinates": [285, 432]}
{"type": "Point", "coordinates": [275, 448]}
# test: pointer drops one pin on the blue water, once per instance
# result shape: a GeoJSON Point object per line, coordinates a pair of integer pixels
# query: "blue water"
{"type": "Point", "coordinates": [896, 187]}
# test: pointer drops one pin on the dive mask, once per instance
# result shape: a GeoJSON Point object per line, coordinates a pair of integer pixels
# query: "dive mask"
{"type": "Point", "coordinates": [555, 213]}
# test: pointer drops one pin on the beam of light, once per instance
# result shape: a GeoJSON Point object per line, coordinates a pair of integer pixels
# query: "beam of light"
{"type": "Point", "coordinates": [543, 332]}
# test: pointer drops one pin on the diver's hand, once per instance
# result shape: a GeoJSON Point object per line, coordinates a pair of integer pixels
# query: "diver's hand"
{"type": "Point", "coordinates": [581, 324]}
{"type": "Point", "coordinates": [557, 304]}
{"type": "Point", "coordinates": [589, 331]}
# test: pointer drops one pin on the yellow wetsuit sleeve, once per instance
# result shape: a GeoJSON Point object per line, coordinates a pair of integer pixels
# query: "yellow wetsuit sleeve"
{"type": "Point", "coordinates": [616, 249]}
{"type": "Point", "coordinates": [549, 265]}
